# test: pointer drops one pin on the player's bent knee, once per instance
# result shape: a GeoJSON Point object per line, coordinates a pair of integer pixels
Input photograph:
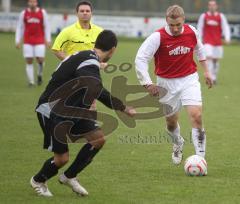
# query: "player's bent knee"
{"type": "Point", "coordinates": [29, 60]}
{"type": "Point", "coordinates": [197, 119]}
{"type": "Point", "coordinates": [99, 142]}
{"type": "Point", "coordinates": [40, 59]}
{"type": "Point", "coordinates": [102, 141]}
{"type": "Point", "coordinates": [171, 124]}
{"type": "Point", "coordinates": [61, 162]}
{"type": "Point", "coordinates": [61, 159]}
{"type": "Point", "coordinates": [197, 116]}
{"type": "Point", "coordinates": [171, 128]}
{"type": "Point", "coordinates": [96, 139]}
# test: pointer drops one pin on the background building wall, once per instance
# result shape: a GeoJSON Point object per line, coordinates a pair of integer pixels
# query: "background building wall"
{"type": "Point", "coordinates": [146, 6]}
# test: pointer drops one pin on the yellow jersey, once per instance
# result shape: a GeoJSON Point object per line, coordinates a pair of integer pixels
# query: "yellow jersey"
{"type": "Point", "coordinates": [73, 38]}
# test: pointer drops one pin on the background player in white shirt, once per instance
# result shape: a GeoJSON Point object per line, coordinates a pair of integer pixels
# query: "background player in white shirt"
{"type": "Point", "coordinates": [172, 48]}
{"type": "Point", "coordinates": [212, 25]}
{"type": "Point", "coordinates": [33, 28]}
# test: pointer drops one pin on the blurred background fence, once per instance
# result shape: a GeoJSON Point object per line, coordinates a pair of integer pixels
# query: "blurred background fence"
{"type": "Point", "coordinates": [136, 7]}
{"type": "Point", "coordinates": [151, 13]}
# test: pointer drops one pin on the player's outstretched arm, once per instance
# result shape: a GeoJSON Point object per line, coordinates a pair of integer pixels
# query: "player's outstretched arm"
{"type": "Point", "coordinates": [114, 103]}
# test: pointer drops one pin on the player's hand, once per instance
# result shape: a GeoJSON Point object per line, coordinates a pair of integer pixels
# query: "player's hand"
{"type": "Point", "coordinates": [18, 45]}
{"type": "Point", "coordinates": [48, 44]}
{"type": "Point", "coordinates": [93, 106]}
{"type": "Point", "coordinates": [103, 65]}
{"type": "Point", "coordinates": [152, 89]}
{"type": "Point", "coordinates": [208, 79]}
{"type": "Point", "coordinates": [130, 111]}
{"type": "Point", "coordinates": [225, 42]}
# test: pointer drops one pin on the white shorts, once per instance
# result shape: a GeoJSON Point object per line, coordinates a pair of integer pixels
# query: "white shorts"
{"type": "Point", "coordinates": [30, 51]}
{"type": "Point", "coordinates": [214, 51]}
{"type": "Point", "coordinates": [184, 91]}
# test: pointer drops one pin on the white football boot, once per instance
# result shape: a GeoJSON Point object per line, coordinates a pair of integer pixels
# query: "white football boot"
{"type": "Point", "coordinates": [40, 188]}
{"type": "Point", "coordinates": [74, 184]}
{"type": "Point", "coordinates": [177, 153]}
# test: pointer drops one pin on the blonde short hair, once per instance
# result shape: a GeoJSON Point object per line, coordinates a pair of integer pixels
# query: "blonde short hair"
{"type": "Point", "coordinates": [175, 11]}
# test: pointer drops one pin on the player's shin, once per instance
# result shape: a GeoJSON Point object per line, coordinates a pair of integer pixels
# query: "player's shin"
{"type": "Point", "coordinates": [40, 68]}
{"type": "Point", "coordinates": [83, 159]}
{"type": "Point", "coordinates": [178, 142]}
{"type": "Point", "coordinates": [30, 73]}
{"type": "Point", "coordinates": [199, 141]}
{"type": "Point", "coordinates": [48, 170]}
{"type": "Point", "coordinates": [216, 70]}
{"type": "Point", "coordinates": [175, 135]}
{"type": "Point", "coordinates": [40, 73]}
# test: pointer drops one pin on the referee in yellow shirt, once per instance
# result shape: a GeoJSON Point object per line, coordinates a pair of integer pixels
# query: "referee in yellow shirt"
{"type": "Point", "coordinates": [78, 36]}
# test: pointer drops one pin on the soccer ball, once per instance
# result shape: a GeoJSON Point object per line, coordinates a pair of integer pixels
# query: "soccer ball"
{"type": "Point", "coordinates": [195, 166]}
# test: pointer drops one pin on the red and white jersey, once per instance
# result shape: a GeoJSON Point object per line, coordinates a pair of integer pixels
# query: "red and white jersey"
{"type": "Point", "coordinates": [173, 55]}
{"type": "Point", "coordinates": [212, 27]}
{"type": "Point", "coordinates": [33, 27]}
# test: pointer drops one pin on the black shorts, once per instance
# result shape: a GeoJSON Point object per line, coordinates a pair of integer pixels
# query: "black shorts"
{"type": "Point", "coordinates": [56, 138]}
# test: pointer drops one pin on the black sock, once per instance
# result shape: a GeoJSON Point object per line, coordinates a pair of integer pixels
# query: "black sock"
{"type": "Point", "coordinates": [83, 159]}
{"type": "Point", "coordinates": [48, 170]}
{"type": "Point", "coordinates": [40, 69]}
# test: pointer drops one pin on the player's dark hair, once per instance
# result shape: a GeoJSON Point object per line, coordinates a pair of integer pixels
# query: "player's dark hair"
{"type": "Point", "coordinates": [106, 40]}
{"type": "Point", "coordinates": [88, 3]}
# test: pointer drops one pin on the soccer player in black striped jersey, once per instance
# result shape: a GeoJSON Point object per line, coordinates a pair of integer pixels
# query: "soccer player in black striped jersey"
{"type": "Point", "coordinates": [63, 113]}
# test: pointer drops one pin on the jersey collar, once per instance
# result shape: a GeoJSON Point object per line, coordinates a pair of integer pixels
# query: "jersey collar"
{"type": "Point", "coordinates": [36, 10]}
{"type": "Point", "coordinates": [215, 13]}
{"type": "Point", "coordinates": [79, 26]}
{"type": "Point", "coordinates": [167, 29]}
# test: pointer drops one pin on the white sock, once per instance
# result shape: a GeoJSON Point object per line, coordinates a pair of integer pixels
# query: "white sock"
{"type": "Point", "coordinates": [211, 69]}
{"type": "Point", "coordinates": [199, 141]}
{"type": "Point", "coordinates": [40, 69]}
{"type": "Point", "coordinates": [30, 73]}
{"type": "Point", "coordinates": [216, 69]}
{"type": "Point", "coordinates": [175, 135]}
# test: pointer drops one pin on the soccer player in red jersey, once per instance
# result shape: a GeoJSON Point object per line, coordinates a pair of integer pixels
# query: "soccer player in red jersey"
{"type": "Point", "coordinates": [34, 29]}
{"type": "Point", "coordinates": [172, 48]}
{"type": "Point", "coordinates": [212, 25]}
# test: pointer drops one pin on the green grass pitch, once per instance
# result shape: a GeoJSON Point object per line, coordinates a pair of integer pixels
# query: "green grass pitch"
{"type": "Point", "coordinates": [123, 172]}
